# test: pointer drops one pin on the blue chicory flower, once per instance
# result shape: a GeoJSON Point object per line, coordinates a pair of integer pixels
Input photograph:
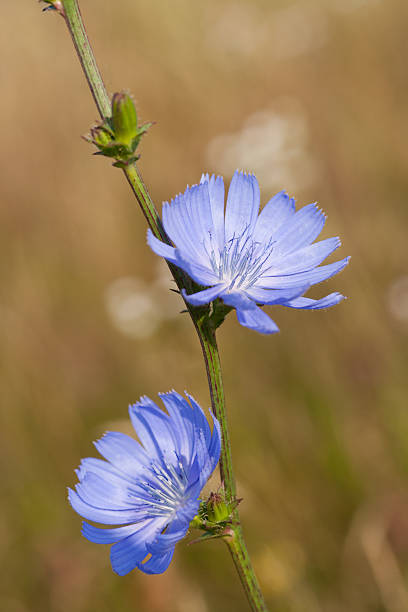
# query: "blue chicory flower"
{"type": "Point", "coordinates": [151, 490]}
{"type": "Point", "coordinates": [243, 257]}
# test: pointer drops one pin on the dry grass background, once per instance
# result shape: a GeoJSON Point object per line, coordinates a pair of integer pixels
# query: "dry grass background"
{"type": "Point", "coordinates": [313, 97]}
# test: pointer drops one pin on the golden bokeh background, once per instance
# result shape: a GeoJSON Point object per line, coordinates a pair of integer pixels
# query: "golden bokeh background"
{"type": "Point", "coordinates": [312, 96]}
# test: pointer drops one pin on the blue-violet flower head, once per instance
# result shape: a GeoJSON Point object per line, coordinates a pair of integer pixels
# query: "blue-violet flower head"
{"type": "Point", "coordinates": [243, 257]}
{"type": "Point", "coordinates": [150, 489]}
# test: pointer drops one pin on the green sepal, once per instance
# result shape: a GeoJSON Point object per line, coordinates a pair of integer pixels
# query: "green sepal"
{"type": "Point", "coordinates": [210, 536]}
{"type": "Point", "coordinates": [219, 312]}
{"type": "Point", "coordinates": [101, 136]}
{"type": "Point", "coordinates": [115, 149]}
{"type": "Point", "coordinates": [142, 130]}
{"type": "Point", "coordinates": [217, 510]}
{"type": "Point", "coordinates": [123, 164]}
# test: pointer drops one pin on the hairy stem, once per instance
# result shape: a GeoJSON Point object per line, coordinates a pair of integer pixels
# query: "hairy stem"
{"type": "Point", "coordinates": [235, 541]}
{"type": "Point", "coordinates": [202, 323]}
{"type": "Point", "coordinates": [208, 341]}
{"type": "Point", "coordinates": [73, 18]}
{"type": "Point", "coordinates": [243, 565]}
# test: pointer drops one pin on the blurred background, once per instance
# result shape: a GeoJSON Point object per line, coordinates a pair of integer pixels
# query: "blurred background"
{"type": "Point", "coordinates": [312, 96]}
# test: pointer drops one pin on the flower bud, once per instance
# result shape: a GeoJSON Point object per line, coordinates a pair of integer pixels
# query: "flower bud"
{"type": "Point", "coordinates": [217, 509]}
{"type": "Point", "coordinates": [124, 119]}
{"type": "Point", "coordinates": [100, 136]}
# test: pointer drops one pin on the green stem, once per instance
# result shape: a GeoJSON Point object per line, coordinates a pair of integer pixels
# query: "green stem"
{"type": "Point", "coordinates": [208, 341]}
{"type": "Point", "coordinates": [235, 540]}
{"type": "Point", "coordinates": [73, 18]}
{"type": "Point", "coordinates": [243, 565]}
{"type": "Point", "coordinates": [142, 196]}
{"type": "Point", "coordinates": [202, 323]}
{"type": "Point", "coordinates": [76, 27]}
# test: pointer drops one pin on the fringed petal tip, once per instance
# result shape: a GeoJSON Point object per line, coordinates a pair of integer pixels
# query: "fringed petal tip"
{"type": "Point", "coordinates": [304, 303]}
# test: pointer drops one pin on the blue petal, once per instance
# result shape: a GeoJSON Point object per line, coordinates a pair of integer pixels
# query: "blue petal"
{"type": "Point", "coordinates": [105, 470]}
{"type": "Point", "coordinates": [178, 227]}
{"type": "Point", "coordinates": [161, 248]}
{"type": "Point", "coordinates": [202, 274]}
{"type": "Point", "coordinates": [100, 535]}
{"type": "Point", "coordinates": [309, 304]}
{"type": "Point", "coordinates": [167, 541]}
{"type": "Point", "coordinates": [238, 300]}
{"type": "Point", "coordinates": [275, 296]}
{"type": "Point", "coordinates": [306, 258]}
{"type": "Point", "coordinates": [200, 214]}
{"type": "Point", "coordinates": [202, 458]}
{"type": "Point", "coordinates": [300, 230]}
{"type": "Point", "coordinates": [154, 428]}
{"type": "Point", "coordinates": [199, 419]}
{"type": "Point", "coordinates": [188, 222]}
{"type": "Point", "coordinates": [278, 210]}
{"type": "Point", "coordinates": [101, 493]}
{"type": "Point", "coordinates": [125, 454]}
{"type": "Point", "coordinates": [213, 457]}
{"type": "Point", "coordinates": [204, 297]}
{"type": "Point", "coordinates": [217, 195]}
{"type": "Point", "coordinates": [100, 515]}
{"type": "Point", "coordinates": [257, 320]}
{"type": "Point", "coordinates": [210, 453]}
{"type": "Point", "coordinates": [194, 484]}
{"type": "Point", "coordinates": [214, 449]}
{"type": "Point", "coordinates": [131, 551]}
{"type": "Point", "coordinates": [310, 277]}
{"type": "Point", "coordinates": [242, 205]}
{"type": "Point", "coordinates": [181, 414]}
{"type": "Point", "coordinates": [249, 315]}
{"type": "Point", "coordinates": [157, 564]}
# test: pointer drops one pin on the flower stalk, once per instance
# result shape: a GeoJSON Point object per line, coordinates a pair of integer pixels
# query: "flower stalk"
{"type": "Point", "coordinates": [201, 317]}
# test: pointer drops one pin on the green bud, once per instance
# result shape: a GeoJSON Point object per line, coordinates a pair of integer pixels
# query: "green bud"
{"type": "Point", "coordinates": [100, 136]}
{"type": "Point", "coordinates": [124, 119]}
{"type": "Point", "coordinates": [217, 509]}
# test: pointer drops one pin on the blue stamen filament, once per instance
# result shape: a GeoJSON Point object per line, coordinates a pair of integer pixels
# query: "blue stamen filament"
{"type": "Point", "coordinates": [241, 261]}
{"type": "Point", "coordinates": [165, 489]}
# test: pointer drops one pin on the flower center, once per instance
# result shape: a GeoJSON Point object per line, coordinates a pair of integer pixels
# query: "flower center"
{"type": "Point", "coordinates": [165, 488]}
{"type": "Point", "coordinates": [241, 261]}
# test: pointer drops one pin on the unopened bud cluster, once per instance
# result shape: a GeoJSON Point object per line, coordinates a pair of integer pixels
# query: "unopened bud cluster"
{"type": "Point", "coordinates": [214, 515]}
{"type": "Point", "coordinates": [118, 136]}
